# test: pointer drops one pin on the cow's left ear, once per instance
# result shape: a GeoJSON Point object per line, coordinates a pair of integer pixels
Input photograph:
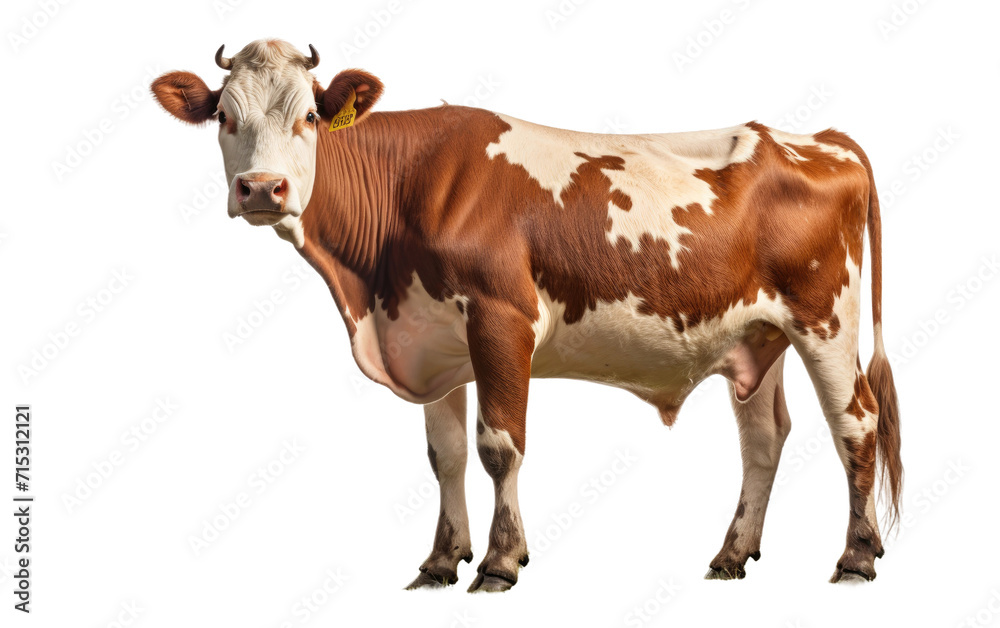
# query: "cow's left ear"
{"type": "Point", "coordinates": [366, 88]}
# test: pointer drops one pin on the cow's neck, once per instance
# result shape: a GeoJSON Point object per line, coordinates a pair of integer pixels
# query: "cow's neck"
{"type": "Point", "coordinates": [354, 212]}
{"type": "Point", "coordinates": [354, 207]}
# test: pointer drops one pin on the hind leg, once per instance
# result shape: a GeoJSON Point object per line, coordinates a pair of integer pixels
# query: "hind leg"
{"type": "Point", "coordinates": [852, 414]}
{"type": "Point", "coordinates": [763, 424]}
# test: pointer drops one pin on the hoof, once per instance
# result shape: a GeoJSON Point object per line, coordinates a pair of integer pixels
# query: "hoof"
{"type": "Point", "coordinates": [490, 584]}
{"type": "Point", "coordinates": [854, 567]}
{"type": "Point", "coordinates": [846, 576]}
{"type": "Point", "coordinates": [726, 573]}
{"type": "Point", "coordinates": [431, 580]}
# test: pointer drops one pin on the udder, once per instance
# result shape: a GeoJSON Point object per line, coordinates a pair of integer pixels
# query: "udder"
{"type": "Point", "coordinates": [746, 363]}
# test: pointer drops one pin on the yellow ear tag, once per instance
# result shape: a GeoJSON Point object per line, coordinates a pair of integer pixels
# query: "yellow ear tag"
{"type": "Point", "coordinates": [345, 117]}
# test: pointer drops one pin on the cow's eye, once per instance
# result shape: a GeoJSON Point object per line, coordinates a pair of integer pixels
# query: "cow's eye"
{"type": "Point", "coordinates": [311, 117]}
{"type": "Point", "coordinates": [222, 117]}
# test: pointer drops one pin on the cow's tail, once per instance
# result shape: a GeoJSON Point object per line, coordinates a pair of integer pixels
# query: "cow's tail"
{"type": "Point", "coordinates": [879, 373]}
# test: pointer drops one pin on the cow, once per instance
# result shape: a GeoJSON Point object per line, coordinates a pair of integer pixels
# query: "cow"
{"type": "Point", "coordinates": [462, 245]}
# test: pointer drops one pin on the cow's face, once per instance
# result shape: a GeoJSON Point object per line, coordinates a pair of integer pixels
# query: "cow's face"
{"type": "Point", "coordinates": [269, 112]}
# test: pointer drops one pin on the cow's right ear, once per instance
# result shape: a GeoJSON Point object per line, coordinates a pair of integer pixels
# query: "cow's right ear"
{"type": "Point", "coordinates": [186, 97]}
{"type": "Point", "coordinates": [367, 89]}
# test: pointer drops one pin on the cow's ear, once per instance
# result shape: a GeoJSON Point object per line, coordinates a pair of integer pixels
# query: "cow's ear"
{"type": "Point", "coordinates": [186, 97]}
{"type": "Point", "coordinates": [366, 88]}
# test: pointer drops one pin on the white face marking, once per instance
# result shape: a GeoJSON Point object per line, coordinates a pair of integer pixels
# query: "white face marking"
{"type": "Point", "coordinates": [268, 91]}
{"type": "Point", "coordinates": [659, 171]}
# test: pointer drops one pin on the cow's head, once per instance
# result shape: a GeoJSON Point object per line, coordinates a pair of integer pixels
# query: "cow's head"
{"type": "Point", "coordinates": [269, 112]}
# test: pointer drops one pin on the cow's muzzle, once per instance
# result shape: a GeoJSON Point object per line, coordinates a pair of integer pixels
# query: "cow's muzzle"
{"type": "Point", "coordinates": [262, 197]}
{"type": "Point", "coordinates": [260, 193]}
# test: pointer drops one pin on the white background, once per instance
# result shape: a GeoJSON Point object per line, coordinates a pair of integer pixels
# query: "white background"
{"type": "Point", "coordinates": [350, 503]}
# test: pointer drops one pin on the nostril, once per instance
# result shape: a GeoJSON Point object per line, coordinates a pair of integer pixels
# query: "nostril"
{"type": "Point", "coordinates": [279, 190]}
{"type": "Point", "coordinates": [243, 188]}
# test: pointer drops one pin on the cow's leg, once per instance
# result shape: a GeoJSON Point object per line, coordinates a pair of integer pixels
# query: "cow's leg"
{"type": "Point", "coordinates": [447, 448]}
{"type": "Point", "coordinates": [852, 414]}
{"type": "Point", "coordinates": [500, 344]}
{"type": "Point", "coordinates": [763, 424]}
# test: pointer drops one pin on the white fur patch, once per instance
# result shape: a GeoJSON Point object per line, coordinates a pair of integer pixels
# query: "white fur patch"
{"type": "Point", "coordinates": [789, 141]}
{"type": "Point", "coordinates": [658, 175]}
{"type": "Point", "coordinates": [422, 354]}
{"type": "Point", "coordinates": [616, 345]}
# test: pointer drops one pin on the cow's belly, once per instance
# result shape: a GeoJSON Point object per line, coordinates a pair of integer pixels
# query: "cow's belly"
{"type": "Point", "coordinates": [646, 355]}
{"type": "Point", "coordinates": [424, 353]}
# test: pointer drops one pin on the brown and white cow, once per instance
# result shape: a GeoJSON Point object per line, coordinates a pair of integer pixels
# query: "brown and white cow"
{"type": "Point", "coordinates": [462, 245]}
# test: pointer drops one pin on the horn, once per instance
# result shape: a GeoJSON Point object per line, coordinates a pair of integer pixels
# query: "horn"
{"type": "Point", "coordinates": [223, 62]}
{"type": "Point", "coordinates": [314, 60]}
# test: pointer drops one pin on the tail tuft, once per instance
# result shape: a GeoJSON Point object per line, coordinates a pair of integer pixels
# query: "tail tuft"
{"type": "Point", "coordinates": [890, 464]}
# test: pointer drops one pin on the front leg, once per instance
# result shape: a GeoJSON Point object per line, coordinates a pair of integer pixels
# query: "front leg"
{"type": "Point", "coordinates": [501, 342]}
{"type": "Point", "coordinates": [447, 448]}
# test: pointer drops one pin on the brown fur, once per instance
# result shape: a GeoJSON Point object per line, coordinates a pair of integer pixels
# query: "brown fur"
{"type": "Point", "coordinates": [186, 97]}
{"type": "Point", "coordinates": [889, 461]}
{"type": "Point", "coordinates": [367, 88]}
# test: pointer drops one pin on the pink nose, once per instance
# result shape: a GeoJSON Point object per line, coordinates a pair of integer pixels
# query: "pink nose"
{"type": "Point", "coordinates": [261, 194]}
